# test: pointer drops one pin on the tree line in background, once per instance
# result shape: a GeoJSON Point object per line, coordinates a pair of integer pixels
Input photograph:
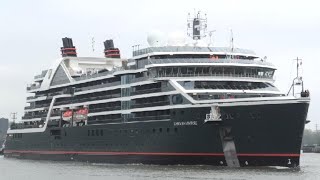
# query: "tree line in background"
{"type": "Point", "coordinates": [311, 137]}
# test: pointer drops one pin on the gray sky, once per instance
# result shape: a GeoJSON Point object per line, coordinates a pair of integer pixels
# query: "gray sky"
{"type": "Point", "coordinates": [31, 32]}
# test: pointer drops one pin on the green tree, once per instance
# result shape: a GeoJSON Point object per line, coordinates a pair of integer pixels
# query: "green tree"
{"type": "Point", "coordinates": [311, 137]}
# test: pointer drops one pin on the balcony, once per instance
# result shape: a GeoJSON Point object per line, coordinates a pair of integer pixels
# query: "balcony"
{"type": "Point", "coordinates": [31, 97]}
{"type": "Point", "coordinates": [32, 87]}
{"type": "Point", "coordinates": [208, 60]}
{"type": "Point", "coordinates": [28, 107]}
{"type": "Point", "coordinates": [218, 75]}
{"type": "Point", "coordinates": [147, 118]}
{"type": "Point", "coordinates": [92, 110]}
{"type": "Point", "coordinates": [180, 49]}
{"type": "Point", "coordinates": [104, 121]}
{"type": "Point", "coordinates": [93, 98]}
{"type": "Point", "coordinates": [98, 86]}
{"type": "Point", "coordinates": [146, 91]}
{"type": "Point", "coordinates": [99, 74]}
{"type": "Point", "coordinates": [139, 79]}
{"type": "Point", "coordinates": [42, 115]}
{"type": "Point", "coordinates": [160, 103]}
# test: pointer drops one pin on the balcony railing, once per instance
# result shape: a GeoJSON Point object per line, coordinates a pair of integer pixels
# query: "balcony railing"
{"type": "Point", "coordinates": [161, 103]}
{"type": "Point", "coordinates": [93, 98]}
{"type": "Point", "coordinates": [104, 121]}
{"type": "Point", "coordinates": [146, 91]}
{"type": "Point", "coordinates": [145, 118]}
{"type": "Point", "coordinates": [91, 110]}
{"type": "Point", "coordinates": [219, 75]}
{"type": "Point", "coordinates": [210, 50]}
{"type": "Point", "coordinates": [139, 79]}
{"type": "Point", "coordinates": [31, 97]}
{"type": "Point", "coordinates": [32, 87]}
{"type": "Point", "coordinates": [83, 77]}
{"type": "Point", "coordinates": [34, 116]}
{"type": "Point", "coordinates": [98, 86]}
{"type": "Point", "coordinates": [208, 60]}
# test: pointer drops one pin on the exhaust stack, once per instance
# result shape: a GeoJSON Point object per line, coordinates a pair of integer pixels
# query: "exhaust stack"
{"type": "Point", "coordinates": [68, 50]}
{"type": "Point", "coordinates": [109, 50]}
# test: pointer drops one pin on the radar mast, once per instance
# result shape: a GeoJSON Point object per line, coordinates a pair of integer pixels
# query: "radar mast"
{"type": "Point", "coordinates": [197, 26]}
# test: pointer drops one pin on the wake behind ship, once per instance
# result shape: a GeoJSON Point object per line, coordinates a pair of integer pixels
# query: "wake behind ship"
{"type": "Point", "coordinates": [174, 103]}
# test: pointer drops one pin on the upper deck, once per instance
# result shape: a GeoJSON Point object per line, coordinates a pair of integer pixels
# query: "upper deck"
{"type": "Point", "coordinates": [195, 50]}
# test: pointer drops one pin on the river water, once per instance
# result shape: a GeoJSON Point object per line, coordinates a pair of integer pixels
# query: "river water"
{"type": "Point", "coordinates": [14, 169]}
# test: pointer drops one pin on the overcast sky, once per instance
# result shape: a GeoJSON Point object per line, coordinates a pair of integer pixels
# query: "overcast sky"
{"type": "Point", "coordinates": [31, 32]}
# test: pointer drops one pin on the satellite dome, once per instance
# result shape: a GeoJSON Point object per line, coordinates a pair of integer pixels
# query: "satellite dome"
{"type": "Point", "coordinates": [176, 39]}
{"type": "Point", "coordinates": [156, 38]}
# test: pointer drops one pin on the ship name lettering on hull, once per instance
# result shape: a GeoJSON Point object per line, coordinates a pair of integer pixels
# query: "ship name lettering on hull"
{"type": "Point", "coordinates": [186, 123]}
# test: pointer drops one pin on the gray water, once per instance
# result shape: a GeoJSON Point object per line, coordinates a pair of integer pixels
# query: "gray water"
{"type": "Point", "coordinates": [14, 169]}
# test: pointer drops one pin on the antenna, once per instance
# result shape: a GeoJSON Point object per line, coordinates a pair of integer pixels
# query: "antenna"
{"type": "Point", "coordinates": [14, 116]}
{"type": "Point", "coordinates": [135, 48]}
{"type": "Point", "coordinates": [210, 35]}
{"type": "Point", "coordinates": [231, 40]}
{"type": "Point", "coordinates": [231, 44]}
{"type": "Point", "coordinates": [92, 43]}
{"type": "Point", "coordinates": [298, 81]}
{"type": "Point", "coordinates": [197, 26]}
{"type": "Point", "coordinates": [299, 62]}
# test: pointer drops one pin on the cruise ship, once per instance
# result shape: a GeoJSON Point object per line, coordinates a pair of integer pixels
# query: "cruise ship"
{"type": "Point", "coordinates": [171, 103]}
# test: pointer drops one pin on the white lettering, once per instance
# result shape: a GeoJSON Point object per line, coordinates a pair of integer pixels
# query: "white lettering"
{"type": "Point", "coordinates": [186, 123]}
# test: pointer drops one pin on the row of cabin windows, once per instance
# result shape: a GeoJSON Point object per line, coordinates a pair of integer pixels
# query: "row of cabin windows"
{"type": "Point", "coordinates": [230, 96]}
{"type": "Point", "coordinates": [137, 114]}
{"type": "Point", "coordinates": [109, 80]}
{"type": "Point", "coordinates": [18, 135]}
{"type": "Point", "coordinates": [98, 82]}
{"type": "Point", "coordinates": [226, 85]}
{"type": "Point", "coordinates": [152, 113]}
{"type": "Point", "coordinates": [90, 97]}
{"type": "Point", "coordinates": [103, 105]}
{"type": "Point", "coordinates": [108, 94]}
{"type": "Point", "coordinates": [232, 71]}
{"type": "Point", "coordinates": [52, 92]}
{"type": "Point", "coordinates": [104, 94]}
{"type": "Point", "coordinates": [151, 99]}
{"type": "Point", "coordinates": [147, 86]}
{"type": "Point", "coordinates": [99, 132]}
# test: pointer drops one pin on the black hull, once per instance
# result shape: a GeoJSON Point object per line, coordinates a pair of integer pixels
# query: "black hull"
{"type": "Point", "coordinates": [163, 159]}
{"type": "Point", "coordinates": [264, 135]}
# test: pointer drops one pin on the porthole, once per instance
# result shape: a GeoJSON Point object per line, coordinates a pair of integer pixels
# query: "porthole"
{"type": "Point", "coordinates": [160, 129]}
{"type": "Point", "coordinates": [168, 129]}
{"type": "Point", "coordinates": [176, 130]}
